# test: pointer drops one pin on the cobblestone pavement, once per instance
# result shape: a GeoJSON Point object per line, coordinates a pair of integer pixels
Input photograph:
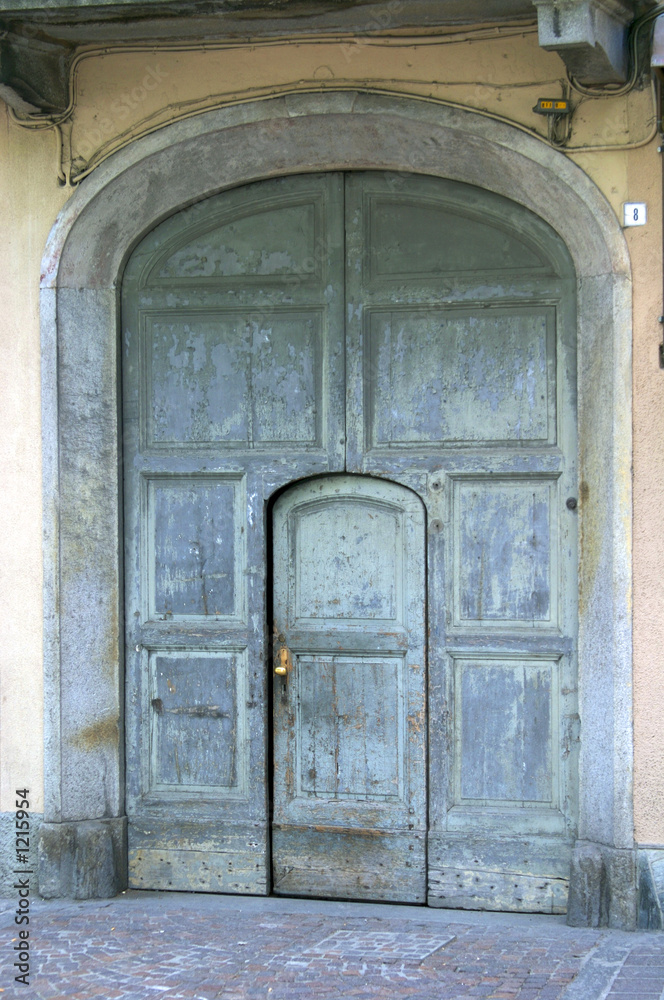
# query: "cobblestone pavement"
{"type": "Point", "coordinates": [199, 947]}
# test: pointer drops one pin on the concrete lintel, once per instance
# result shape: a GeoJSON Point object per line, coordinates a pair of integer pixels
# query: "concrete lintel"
{"type": "Point", "coordinates": [589, 35]}
{"type": "Point", "coordinates": [40, 38]}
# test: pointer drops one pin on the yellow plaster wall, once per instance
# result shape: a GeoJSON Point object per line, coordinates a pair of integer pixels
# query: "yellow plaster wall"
{"type": "Point", "coordinates": [119, 96]}
{"type": "Point", "coordinates": [30, 200]}
{"type": "Point", "coordinates": [645, 184]}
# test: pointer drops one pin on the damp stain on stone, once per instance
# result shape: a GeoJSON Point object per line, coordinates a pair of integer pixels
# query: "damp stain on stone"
{"type": "Point", "coordinates": [101, 733]}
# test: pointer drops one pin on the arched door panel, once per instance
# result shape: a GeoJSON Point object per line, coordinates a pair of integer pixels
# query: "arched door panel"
{"type": "Point", "coordinates": [350, 706]}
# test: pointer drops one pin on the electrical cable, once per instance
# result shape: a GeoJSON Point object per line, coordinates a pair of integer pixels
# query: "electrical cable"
{"type": "Point", "coordinates": [618, 146]}
{"type": "Point", "coordinates": [182, 113]}
{"type": "Point", "coordinates": [45, 120]}
{"type": "Point", "coordinates": [183, 110]}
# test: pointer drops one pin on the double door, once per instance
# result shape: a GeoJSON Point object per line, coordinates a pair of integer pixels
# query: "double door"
{"type": "Point", "coordinates": [349, 399]}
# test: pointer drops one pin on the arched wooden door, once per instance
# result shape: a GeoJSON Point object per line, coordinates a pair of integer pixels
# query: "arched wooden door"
{"type": "Point", "coordinates": [409, 329]}
{"type": "Point", "coordinates": [350, 800]}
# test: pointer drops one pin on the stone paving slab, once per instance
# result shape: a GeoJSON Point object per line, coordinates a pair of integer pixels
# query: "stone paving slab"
{"type": "Point", "coordinates": [373, 946]}
{"type": "Point", "coordinates": [178, 946]}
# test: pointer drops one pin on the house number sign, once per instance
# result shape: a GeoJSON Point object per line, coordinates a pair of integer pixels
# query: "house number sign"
{"type": "Point", "coordinates": [635, 213]}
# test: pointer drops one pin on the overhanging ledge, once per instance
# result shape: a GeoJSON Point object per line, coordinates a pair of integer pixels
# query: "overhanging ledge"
{"type": "Point", "coordinates": [38, 40]}
{"type": "Point", "coordinates": [589, 35]}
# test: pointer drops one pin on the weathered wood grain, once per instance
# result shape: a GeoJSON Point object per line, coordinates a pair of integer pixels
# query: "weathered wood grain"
{"type": "Point", "coordinates": [197, 871]}
{"type": "Point", "coordinates": [350, 864]}
{"type": "Point", "coordinates": [533, 856]}
{"type": "Point", "coordinates": [497, 890]}
{"type": "Point", "coordinates": [485, 872]}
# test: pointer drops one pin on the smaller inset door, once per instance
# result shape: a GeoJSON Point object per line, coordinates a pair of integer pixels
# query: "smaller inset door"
{"type": "Point", "coordinates": [349, 691]}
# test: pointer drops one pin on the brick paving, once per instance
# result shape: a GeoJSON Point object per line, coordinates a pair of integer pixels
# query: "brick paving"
{"type": "Point", "coordinates": [641, 976]}
{"type": "Point", "coordinates": [184, 947]}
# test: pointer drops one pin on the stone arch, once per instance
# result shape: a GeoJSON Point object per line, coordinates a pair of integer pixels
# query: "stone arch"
{"type": "Point", "coordinates": [90, 242]}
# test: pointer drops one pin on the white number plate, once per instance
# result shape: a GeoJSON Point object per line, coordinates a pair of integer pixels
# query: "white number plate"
{"type": "Point", "coordinates": [635, 213]}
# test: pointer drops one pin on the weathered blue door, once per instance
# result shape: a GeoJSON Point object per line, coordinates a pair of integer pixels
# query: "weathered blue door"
{"type": "Point", "coordinates": [349, 691]}
{"type": "Point", "coordinates": [233, 386]}
{"type": "Point", "coordinates": [460, 383]}
{"type": "Point", "coordinates": [393, 357]}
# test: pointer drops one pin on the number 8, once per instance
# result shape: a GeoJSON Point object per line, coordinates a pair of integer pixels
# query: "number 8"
{"type": "Point", "coordinates": [636, 215]}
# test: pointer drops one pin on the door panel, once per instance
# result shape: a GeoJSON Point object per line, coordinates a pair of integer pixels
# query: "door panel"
{"type": "Point", "coordinates": [198, 703]}
{"type": "Point", "coordinates": [461, 363]}
{"type": "Point", "coordinates": [227, 379]}
{"type": "Point", "coordinates": [505, 552]}
{"type": "Point", "coordinates": [349, 727]}
{"type": "Point", "coordinates": [454, 376]}
{"type": "Point", "coordinates": [503, 723]}
{"type": "Point", "coordinates": [196, 552]}
{"type": "Point", "coordinates": [349, 716]}
{"type": "Point", "coordinates": [233, 386]}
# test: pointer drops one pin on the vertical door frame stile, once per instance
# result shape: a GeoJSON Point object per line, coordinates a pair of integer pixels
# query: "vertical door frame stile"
{"type": "Point", "coordinates": [82, 851]}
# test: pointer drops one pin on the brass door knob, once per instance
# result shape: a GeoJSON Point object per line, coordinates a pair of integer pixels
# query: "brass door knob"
{"type": "Point", "coordinates": [284, 663]}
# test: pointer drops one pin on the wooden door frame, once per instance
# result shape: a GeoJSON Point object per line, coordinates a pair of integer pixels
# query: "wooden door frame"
{"type": "Point", "coordinates": [82, 851]}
